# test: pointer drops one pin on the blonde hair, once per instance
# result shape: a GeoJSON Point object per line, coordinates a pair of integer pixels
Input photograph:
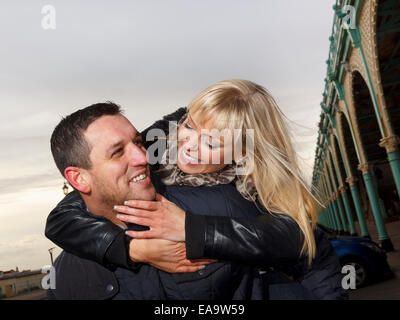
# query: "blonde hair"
{"type": "Point", "coordinates": [242, 104]}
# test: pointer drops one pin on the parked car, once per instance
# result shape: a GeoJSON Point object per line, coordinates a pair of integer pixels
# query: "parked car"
{"type": "Point", "coordinates": [368, 259]}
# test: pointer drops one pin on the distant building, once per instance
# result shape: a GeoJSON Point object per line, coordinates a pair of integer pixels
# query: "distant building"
{"type": "Point", "coordinates": [13, 283]}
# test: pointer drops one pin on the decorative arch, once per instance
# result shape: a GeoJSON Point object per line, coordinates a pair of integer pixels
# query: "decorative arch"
{"type": "Point", "coordinates": [387, 51]}
{"type": "Point", "coordinates": [365, 116]}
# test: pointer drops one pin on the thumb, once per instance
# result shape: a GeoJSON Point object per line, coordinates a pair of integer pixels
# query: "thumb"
{"type": "Point", "coordinates": [160, 198]}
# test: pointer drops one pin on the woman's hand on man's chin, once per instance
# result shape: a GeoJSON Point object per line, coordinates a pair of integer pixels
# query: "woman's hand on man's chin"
{"type": "Point", "coordinates": [164, 218]}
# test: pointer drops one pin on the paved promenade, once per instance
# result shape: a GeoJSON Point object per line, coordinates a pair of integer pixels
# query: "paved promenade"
{"type": "Point", "coordinates": [389, 289]}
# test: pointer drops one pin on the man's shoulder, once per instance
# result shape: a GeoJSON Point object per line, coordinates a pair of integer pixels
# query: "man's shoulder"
{"type": "Point", "coordinates": [72, 199]}
{"type": "Point", "coordinates": [81, 279]}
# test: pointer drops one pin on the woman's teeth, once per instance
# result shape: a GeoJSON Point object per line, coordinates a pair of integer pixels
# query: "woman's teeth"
{"type": "Point", "coordinates": [139, 178]}
{"type": "Point", "coordinates": [189, 158]}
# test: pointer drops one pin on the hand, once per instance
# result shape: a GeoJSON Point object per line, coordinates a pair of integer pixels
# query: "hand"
{"type": "Point", "coordinates": [165, 255]}
{"type": "Point", "coordinates": [165, 219]}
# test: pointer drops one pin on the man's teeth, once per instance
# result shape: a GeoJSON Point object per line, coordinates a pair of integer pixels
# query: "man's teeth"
{"type": "Point", "coordinates": [139, 178]}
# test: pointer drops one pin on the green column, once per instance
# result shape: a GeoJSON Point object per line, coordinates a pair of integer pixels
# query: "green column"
{"type": "Point", "coordinates": [325, 211]}
{"type": "Point", "coordinates": [321, 218]}
{"type": "Point", "coordinates": [336, 219]}
{"type": "Point", "coordinates": [332, 217]}
{"type": "Point", "coordinates": [383, 209]}
{"type": "Point", "coordinates": [332, 203]}
{"type": "Point", "coordinates": [394, 160]}
{"type": "Point", "coordinates": [341, 211]}
{"type": "Point", "coordinates": [375, 207]}
{"type": "Point", "coordinates": [327, 218]}
{"type": "Point", "coordinates": [332, 222]}
{"type": "Point", "coordinates": [337, 215]}
{"type": "Point", "coordinates": [373, 198]}
{"type": "Point", "coordinates": [337, 202]}
{"type": "Point", "coordinates": [348, 210]}
{"type": "Point", "coordinates": [357, 204]}
{"type": "Point", "coordinates": [342, 189]}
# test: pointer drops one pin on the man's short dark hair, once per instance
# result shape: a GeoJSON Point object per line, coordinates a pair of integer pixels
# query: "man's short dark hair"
{"type": "Point", "coordinates": [68, 144]}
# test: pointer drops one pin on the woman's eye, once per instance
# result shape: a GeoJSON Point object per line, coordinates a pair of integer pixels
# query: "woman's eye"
{"type": "Point", "coordinates": [138, 143]}
{"type": "Point", "coordinates": [188, 126]}
{"type": "Point", "coordinates": [210, 145]}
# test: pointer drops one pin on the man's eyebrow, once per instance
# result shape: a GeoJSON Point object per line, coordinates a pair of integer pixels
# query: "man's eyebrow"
{"type": "Point", "coordinates": [137, 136]}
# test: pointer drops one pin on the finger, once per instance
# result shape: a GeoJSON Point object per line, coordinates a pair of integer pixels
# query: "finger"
{"type": "Point", "coordinates": [133, 211]}
{"type": "Point", "coordinates": [185, 269]}
{"type": "Point", "coordinates": [149, 234]}
{"type": "Point", "coordinates": [203, 261]}
{"type": "Point", "coordinates": [141, 204]}
{"type": "Point", "coordinates": [188, 263]}
{"type": "Point", "coordinates": [133, 219]}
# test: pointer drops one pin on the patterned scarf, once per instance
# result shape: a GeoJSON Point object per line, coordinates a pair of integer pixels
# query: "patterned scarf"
{"type": "Point", "coordinates": [170, 174]}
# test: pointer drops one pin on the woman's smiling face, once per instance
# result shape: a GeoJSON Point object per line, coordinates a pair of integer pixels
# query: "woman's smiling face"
{"type": "Point", "coordinates": [201, 149]}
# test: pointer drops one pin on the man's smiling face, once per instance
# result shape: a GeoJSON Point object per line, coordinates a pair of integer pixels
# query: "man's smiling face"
{"type": "Point", "coordinates": [119, 168]}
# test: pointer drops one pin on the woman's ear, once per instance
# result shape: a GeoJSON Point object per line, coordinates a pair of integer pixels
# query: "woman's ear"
{"type": "Point", "coordinates": [240, 169]}
{"type": "Point", "coordinates": [78, 178]}
{"type": "Point", "coordinates": [241, 159]}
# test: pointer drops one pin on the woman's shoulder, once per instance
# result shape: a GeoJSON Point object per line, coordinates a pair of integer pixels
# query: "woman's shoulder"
{"type": "Point", "coordinates": [238, 205]}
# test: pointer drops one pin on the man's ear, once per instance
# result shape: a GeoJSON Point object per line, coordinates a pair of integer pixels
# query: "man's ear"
{"type": "Point", "coordinates": [78, 178]}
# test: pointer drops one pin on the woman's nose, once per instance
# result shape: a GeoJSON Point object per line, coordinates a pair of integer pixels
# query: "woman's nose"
{"type": "Point", "coordinates": [192, 142]}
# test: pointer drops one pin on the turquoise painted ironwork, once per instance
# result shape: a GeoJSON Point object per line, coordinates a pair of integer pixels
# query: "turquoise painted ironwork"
{"type": "Point", "coordinates": [359, 212]}
{"type": "Point", "coordinates": [380, 225]}
{"type": "Point", "coordinates": [394, 160]}
{"type": "Point", "coordinates": [348, 213]}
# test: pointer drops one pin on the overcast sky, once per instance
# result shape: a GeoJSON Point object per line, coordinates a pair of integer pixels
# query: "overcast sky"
{"type": "Point", "coordinates": [151, 57]}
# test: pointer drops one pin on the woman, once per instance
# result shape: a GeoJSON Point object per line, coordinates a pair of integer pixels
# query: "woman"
{"type": "Point", "coordinates": [270, 177]}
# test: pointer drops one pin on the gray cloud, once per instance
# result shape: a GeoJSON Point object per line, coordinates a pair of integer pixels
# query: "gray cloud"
{"type": "Point", "coordinates": [12, 185]}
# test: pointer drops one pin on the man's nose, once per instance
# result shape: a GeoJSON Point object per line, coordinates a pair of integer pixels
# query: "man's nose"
{"type": "Point", "coordinates": [137, 156]}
